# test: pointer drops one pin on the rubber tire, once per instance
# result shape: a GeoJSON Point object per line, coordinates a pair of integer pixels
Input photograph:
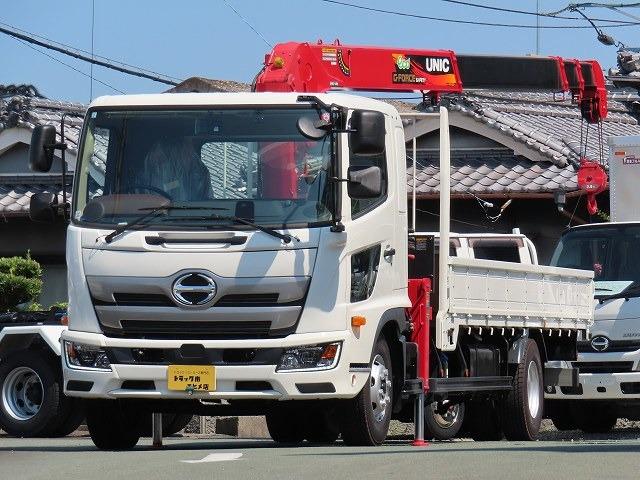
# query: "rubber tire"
{"type": "Point", "coordinates": [321, 426]}
{"type": "Point", "coordinates": [517, 422]}
{"type": "Point", "coordinates": [285, 423]}
{"type": "Point", "coordinates": [179, 423]}
{"type": "Point", "coordinates": [484, 421]}
{"type": "Point", "coordinates": [357, 425]}
{"type": "Point", "coordinates": [47, 419]}
{"type": "Point", "coordinates": [434, 431]}
{"type": "Point", "coordinates": [592, 419]}
{"type": "Point", "coordinates": [561, 415]}
{"type": "Point", "coordinates": [74, 418]}
{"type": "Point", "coordinates": [111, 425]}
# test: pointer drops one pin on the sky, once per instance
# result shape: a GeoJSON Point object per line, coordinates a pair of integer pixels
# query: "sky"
{"type": "Point", "coordinates": [207, 38]}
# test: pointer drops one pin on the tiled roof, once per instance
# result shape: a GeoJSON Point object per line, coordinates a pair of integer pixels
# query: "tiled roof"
{"type": "Point", "coordinates": [16, 192]}
{"type": "Point", "coordinates": [27, 112]}
{"type": "Point", "coordinates": [548, 125]}
{"type": "Point", "coordinates": [27, 109]}
{"type": "Point", "coordinates": [490, 173]}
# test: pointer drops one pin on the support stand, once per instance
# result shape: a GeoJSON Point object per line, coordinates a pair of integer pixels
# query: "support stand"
{"type": "Point", "coordinates": [418, 416]}
{"type": "Point", "coordinates": [156, 429]}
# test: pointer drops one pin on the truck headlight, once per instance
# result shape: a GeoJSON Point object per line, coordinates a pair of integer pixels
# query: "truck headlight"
{"type": "Point", "coordinates": [312, 357]}
{"type": "Point", "coordinates": [83, 356]}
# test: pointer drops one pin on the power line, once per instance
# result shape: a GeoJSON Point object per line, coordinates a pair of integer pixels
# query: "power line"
{"type": "Point", "coordinates": [573, 6]}
{"type": "Point", "coordinates": [468, 22]}
{"type": "Point", "coordinates": [247, 22]}
{"type": "Point", "coordinates": [135, 72]}
{"type": "Point", "coordinates": [525, 12]}
{"type": "Point", "coordinates": [70, 47]}
{"type": "Point", "coordinates": [67, 65]}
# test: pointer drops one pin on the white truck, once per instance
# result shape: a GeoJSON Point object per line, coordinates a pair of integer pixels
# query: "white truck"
{"type": "Point", "coordinates": [205, 277]}
{"type": "Point", "coordinates": [609, 360]}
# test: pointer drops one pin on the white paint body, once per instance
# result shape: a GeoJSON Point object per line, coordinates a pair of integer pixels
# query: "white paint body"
{"type": "Point", "coordinates": [321, 255]}
{"type": "Point", "coordinates": [619, 319]}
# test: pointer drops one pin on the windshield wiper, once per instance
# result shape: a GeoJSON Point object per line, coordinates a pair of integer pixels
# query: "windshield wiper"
{"type": "Point", "coordinates": [600, 289]}
{"type": "Point", "coordinates": [123, 226]}
{"type": "Point", "coordinates": [631, 291]}
{"type": "Point", "coordinates": [285, 237]}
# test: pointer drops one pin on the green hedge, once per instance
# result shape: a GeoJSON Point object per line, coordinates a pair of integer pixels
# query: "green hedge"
{"type": "Point", "coordinates": [20, 282]}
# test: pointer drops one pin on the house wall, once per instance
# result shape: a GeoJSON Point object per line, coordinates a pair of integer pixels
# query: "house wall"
{"type": "Point", "coordinates": [15, 160]}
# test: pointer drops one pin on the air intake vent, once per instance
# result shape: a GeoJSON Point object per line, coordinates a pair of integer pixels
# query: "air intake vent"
{"type": "Point", "coordinates": [249, 300]}
{"type": "Point", "coordinates": [143, 300]}
{"type": "Point", "coordinates": [188, 330]}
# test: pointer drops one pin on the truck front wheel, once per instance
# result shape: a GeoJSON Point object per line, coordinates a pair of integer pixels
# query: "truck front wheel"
{"type": "Point", "coordinates": [111, 425]}
{"type": "Point", "coordinates": [286, 423]}
{"type": "Point", "coordinates": [524, 403]}
{"type": "Point", "coordinates": [365, 418]}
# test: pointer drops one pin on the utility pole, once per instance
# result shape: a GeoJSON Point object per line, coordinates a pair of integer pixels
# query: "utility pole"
{"type": "Point", "coordinates": [538, 27]}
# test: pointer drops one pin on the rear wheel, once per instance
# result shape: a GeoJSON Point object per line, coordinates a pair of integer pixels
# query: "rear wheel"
{"type": "Point", "coordinates": [524, 403]}
{"type": "Point", "coordinates": [365, 418]}
{"type": "Point", "coordinates": [595, 419]}
{"type": "Point", "coordinates": [559, 411]}
{"type": "Point", "coordinates": [443, 420]}
{"type": "Point", "coordinates": [111, 425]}
{"type": "Point", "coordinates": [73, 418]}
{"type": "Point", "coordinates": [177, 424]}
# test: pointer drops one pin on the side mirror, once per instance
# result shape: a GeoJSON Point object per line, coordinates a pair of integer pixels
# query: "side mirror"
{"type": "Point", "coordinates": [367, 137]}
{"type": "Point", "coordinates": [364, 182]}
{"type": "Point", "coordinates": [42, 207]}
{"type": "Point", "coordinates": [43, 141]}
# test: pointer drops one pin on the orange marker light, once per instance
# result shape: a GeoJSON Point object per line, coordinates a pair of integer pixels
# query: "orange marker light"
{"type": "Point", "coordinates": [278, 62]}
{"type": "Point", "coordinates": [358, 321]}
{"type": "Point", "coordinates": [330, 352]}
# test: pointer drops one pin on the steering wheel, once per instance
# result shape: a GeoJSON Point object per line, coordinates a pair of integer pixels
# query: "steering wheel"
{"type": "Point", "coordinates": [151, 188]}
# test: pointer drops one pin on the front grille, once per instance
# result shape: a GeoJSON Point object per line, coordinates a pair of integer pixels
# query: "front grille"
{"type": "Point", "coordinates": [143, 300]}
{"type": "Point", "coordinates": [188, 330]}
{"type": "Point", "coordinates": [604, 367]}
{"type": "Point", "coordinates": [231, 300]}
{"type": "Point", "coordinates": [249, 300]}
{"type": "Point", "coordinates": [614, 346]}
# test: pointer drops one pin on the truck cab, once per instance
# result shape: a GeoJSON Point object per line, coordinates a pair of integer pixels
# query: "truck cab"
{"type": "Point", "coordinates": [609, 360]}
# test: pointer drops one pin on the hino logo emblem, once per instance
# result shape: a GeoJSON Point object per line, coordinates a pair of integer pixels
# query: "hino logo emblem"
{"type": "Point", "coordinates": [599, 343]}
{"type": "Point", "coordinates": [194, 289]}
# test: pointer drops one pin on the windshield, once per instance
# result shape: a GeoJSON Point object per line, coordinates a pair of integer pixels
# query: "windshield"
{"type": "Point", "coordinates": [612, 253]}
{"type": "Point", "coordinates": [250, 163]}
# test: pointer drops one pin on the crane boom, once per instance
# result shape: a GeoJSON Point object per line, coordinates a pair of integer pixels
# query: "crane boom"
{"type": "Point", "coordinates": [320, 67]}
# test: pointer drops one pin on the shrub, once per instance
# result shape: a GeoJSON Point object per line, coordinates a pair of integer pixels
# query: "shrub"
{"type": "Point", "coordinates": [20, 282]}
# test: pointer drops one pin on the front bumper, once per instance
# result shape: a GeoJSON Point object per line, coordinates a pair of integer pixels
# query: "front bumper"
{"type": "Point", "coordinates": [604, 386]}
{"type": "Point", "coordinates": [150, 381]}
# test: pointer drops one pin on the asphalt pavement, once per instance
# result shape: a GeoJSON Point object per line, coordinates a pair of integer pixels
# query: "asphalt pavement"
{"type": "Point", "coordinates": [227, 458]}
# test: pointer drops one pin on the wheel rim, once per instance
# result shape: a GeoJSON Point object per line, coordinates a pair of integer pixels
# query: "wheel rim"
{"type": "Point", "coordinates": [22, 393]}
{"type": "Point", "coordinates": [533, 389]}
{"type": "Point", "coordinates": [449, 417]}
{"type": "Point", "coordinates": [380, 388]}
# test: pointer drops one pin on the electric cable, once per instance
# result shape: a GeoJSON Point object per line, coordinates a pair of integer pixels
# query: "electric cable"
{"type": "Point", "coordinates": [26, 44]}
{"type": "Point", "coordinates": [525, 12]}
{"type": "Point", "coordinates": [469, 22]}
{"type": "Point", "coordinates": [32, 40]}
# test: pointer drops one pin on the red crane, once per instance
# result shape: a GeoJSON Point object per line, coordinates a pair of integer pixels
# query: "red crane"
{"type": "Point", "coordinates": [320, 67]}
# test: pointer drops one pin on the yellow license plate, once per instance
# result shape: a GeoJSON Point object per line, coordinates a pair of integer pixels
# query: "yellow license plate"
{"type": "Point", "coordinates": [191, 378]}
